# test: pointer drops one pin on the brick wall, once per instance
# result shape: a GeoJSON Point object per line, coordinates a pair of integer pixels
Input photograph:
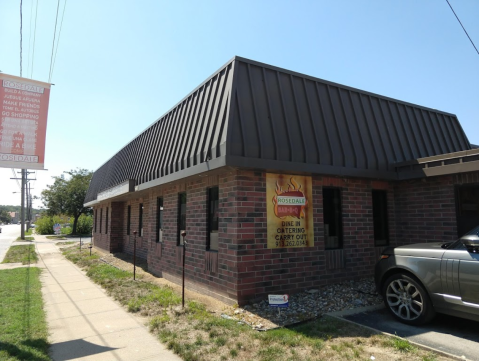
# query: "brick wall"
{"type": "Point", "coordinates": [127, 242]}
{"type": "Point", "coordinates": [263, 271]}
{"type": "Point", "coordinates": [101, 239]}
{"type": "Point", "coordinates": [166, 258]}
{"type": "Point", "coordinates": [244, 269]}
{"type": "Point", "coordinates": [426, 208]}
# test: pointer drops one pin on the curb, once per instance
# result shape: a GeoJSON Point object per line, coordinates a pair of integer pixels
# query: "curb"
{"type": "Point", "coordinates": [340, 316]}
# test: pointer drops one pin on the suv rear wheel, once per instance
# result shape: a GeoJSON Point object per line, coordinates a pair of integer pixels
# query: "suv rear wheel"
{"type": "Point", "coordinates": [407, 300]}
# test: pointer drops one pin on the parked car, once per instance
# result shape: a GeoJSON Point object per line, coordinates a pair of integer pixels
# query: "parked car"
{"type": "Point", "coordinates": [418, 280]}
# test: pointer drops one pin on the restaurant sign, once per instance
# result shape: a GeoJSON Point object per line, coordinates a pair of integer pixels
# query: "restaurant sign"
{"type": "Point", "coordinates": [289, 211]}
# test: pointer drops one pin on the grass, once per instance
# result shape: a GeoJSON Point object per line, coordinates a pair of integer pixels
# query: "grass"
{"type": "Point", "coordinates": [23, 334]}
{"type": "Point", "coordinates": [56, 237]}
{"type": "Point", "coordinates": [24, 254]}
{"type": "Point", "coordinates": [27, 239]}
{"type": "Point", "coordinates": [196, 334]}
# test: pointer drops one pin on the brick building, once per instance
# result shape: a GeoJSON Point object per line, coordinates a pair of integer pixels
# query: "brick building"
{"type": "Point", "coordinates": [283, 182]}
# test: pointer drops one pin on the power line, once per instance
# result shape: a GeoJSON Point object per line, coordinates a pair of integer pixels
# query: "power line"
{"type": "Point", "coordinates": [53, 45]}
{"type": "Point", "coordinates": [30, 37]}
{"type": "Point", "coordinates": [462, 27]}
{"type": "Point", "coordinates": [34, 38]}
{"type": "Point", "coordinates": [21, 39]}
{"type": "Point", "coordinates": [59, 34]}
{"type": "Point", "coordinates": [14, 175]}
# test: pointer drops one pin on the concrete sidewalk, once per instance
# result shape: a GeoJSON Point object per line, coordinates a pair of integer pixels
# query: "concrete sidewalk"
{"type": "Point", "coordinates": [84, 323]}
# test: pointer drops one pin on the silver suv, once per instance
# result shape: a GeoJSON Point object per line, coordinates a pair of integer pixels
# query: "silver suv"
{"type": "Point", "coordinates": [418, 280]}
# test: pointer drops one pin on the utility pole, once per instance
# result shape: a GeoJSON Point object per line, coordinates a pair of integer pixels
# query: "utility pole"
{"type": "Point", "coordinates": [22, 211]}
{"type": "Point", "coordinates": [24, 180]}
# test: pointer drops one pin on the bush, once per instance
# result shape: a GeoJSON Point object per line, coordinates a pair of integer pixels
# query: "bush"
{"type": "Point", "coordinates": [44, 224]}
{"type": "Point", "coordinates": [66, 230]}
{"type": "Point", "coordinates": [84, 224]}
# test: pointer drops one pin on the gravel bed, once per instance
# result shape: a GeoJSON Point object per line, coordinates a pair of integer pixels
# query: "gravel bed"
{"type": "Point", "coordinates": [309, 304]}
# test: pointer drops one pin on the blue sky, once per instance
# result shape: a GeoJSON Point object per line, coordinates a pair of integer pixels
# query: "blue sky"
{"type": "Point", "coordinates": [120, 65]}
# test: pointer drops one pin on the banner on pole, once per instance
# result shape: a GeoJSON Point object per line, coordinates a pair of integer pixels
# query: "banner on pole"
{"type": "Point", "coordinates": [23, 122]}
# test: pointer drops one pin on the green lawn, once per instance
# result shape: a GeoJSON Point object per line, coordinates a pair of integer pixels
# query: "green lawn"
{"type": "Point", "coordinates": [23, 329]}
{"type": "Point", "coordinates": [24, 254]}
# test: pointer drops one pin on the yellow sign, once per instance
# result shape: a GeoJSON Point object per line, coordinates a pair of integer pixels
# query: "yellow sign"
{"type": "Point", "coordinates": [289, 206]}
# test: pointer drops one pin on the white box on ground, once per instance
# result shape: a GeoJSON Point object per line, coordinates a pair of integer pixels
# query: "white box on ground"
{"type": "Point", "coordinates": [278, 300]}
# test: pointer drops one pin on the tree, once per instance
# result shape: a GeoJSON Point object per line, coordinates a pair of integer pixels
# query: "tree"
{"type": "Point", "coordinates": [66, 196]}
{"type": "Point", "coordinates": [5, 217]}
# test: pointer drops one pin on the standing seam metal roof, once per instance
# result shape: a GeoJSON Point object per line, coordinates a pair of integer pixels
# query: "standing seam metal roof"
{"type": "Point", "coordinates": [255, 115]}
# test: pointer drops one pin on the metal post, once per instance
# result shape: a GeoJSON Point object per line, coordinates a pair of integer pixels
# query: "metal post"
{"type": "Point", "coordinates": [183, 234]}
{"type": "Point", "coordinates": [134, 255]}
{"type": "Point", "coordinates": [22, 211]}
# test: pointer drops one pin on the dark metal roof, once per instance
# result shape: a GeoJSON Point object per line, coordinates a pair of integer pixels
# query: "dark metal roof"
{"type": "Point", "coordinates": [250, 114]}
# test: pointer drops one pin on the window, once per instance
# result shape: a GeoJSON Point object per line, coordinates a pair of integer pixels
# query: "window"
{"type": "Point", "coordinates": [101, 217]}
{"type": "Point", "coordinates": [181, 217]}
{"type": "Point", "coordinates": [96, 217]}
{"type": "Point", "coordinates": [380, 218]}
{"type": "Point", "coordinates": [159, 219]}
{"type": "Point", "coordinates": [212, 242]}
{"type": "Point", "coordinates": [333, 227]}
{"type": "Point", "coordinates": [128, 220]}
{"type": "Point", "coordinates": [106, 221]}
{"type": "Point", "coordinates": [140, 221]}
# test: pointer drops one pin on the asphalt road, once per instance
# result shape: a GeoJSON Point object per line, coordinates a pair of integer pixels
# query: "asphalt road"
{"type": "Point", "coordinates": [9, 234]}
{"type": "Point", "coordinates": [456, 336]}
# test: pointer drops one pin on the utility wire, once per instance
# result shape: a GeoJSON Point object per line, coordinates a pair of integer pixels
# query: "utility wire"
{"type": "Point", "coordinates": [21, 23]}
{"type": "Point", "coordinates": [34, 38]}
{"type": "Point", "coordinates": [16, 178]}
{"type": "Point", "coordinates": [59, 34]}
{"type": "Point", "coordinates": [30, 38]}
{"type": "Point", "coordinates": [462, 27]}
{"type": "Point", "coordinates": [53, 45]}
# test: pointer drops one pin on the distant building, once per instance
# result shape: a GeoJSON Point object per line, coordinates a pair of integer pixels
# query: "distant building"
{"type": "Point", "coordinates": [283, 182]}
{"type": "Point", "coordinates": [15, 217]}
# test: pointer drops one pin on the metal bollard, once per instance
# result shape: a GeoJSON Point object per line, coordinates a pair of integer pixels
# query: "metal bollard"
{"type": "Point", "coordinates": [134, 255]}
{"type": "Point", "coordinates": [183, 234]}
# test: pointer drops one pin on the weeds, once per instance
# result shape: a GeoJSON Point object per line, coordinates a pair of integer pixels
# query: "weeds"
{"type": "Point", "coordinates": [21, 254]}
{"type": "Point", "coordinates": [196, 334]}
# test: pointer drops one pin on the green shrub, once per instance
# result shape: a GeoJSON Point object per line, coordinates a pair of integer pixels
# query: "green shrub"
{"type": "Point", "coordinates": [44, 225]}
{"type": "Point", "coordinates": [66, 230]}
{"type": "Point", "coordinates": [84, 224]}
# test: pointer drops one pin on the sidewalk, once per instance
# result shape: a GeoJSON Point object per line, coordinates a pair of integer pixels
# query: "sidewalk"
{"type": "Point", "coordinates": [84, 323]}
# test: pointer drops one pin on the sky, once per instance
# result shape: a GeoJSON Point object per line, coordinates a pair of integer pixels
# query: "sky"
{"type": "Point", "coordinates": [120, 65]}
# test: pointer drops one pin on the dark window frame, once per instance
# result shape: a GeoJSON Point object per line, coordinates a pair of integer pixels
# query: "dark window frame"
{"type": "Point", "coordinates": [96, 218]}
{"type": "Point", "coordinates": [333, 221]}
{"type": "Point", "coordinates": [379, 200]}
{"type": "Point", "coordinates": [212, 221]}
{"type": "Point", "coordinates": [140, 220]}
{"type": "Point", "coordinates": [106, 221]}
{"type": "Point", "coordinates": [181, 221]}
{"type": "Point", "coordinates": [101, 217]}
{"type": "Point", "coordinates": [128, 220]}
{"type": "Point", "coordinates": [159, 218]}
